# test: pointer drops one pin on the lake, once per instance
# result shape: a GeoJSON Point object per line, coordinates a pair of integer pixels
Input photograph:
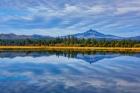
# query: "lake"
{"type": "Point", "coordinates": [62, 72]}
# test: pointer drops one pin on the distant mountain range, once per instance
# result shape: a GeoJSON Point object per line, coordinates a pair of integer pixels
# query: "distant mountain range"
{"type": "Point", "coordinates": [134, 38]}
{"type": "Point", "coordinates": [94, 34]}
{"type": "Point", "coordinates": [14, 36]}
{"type": "Point", "coordinates": [88, 34]}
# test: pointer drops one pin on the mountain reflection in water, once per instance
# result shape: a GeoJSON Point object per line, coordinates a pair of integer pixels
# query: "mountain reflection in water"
{"type": "Point", "coordinates": [59, 72]}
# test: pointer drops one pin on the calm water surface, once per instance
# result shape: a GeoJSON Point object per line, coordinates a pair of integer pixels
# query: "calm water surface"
{"type": "Point", "coordinates": [44, 72]}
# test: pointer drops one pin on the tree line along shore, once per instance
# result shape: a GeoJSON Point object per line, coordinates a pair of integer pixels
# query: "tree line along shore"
{"type": "Point", "coordinates": [71, 42]}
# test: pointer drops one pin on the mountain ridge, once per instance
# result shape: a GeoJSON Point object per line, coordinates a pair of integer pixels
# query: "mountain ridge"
{"type": "Point", "coordinates": [14, 36]}
{"type": "Point", "coordinates": [87, 34]}
{"type": "Point", "coordinates": [95, 34]}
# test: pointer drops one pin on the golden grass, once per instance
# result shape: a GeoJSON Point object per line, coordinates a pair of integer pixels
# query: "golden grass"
{"type": "Point", "coordinates": [2, 48]}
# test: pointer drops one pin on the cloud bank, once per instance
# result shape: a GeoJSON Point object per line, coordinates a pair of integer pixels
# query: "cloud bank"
{"type": "Point", "coordinates": [53, 17]}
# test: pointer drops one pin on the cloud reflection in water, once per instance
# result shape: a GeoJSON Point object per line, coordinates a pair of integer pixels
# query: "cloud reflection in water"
{"type": "Point", "coordinates": [58, 74]}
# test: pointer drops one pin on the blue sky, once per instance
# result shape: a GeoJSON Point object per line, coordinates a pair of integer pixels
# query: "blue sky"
{"type": "Point", "coordinates": [62, 17]}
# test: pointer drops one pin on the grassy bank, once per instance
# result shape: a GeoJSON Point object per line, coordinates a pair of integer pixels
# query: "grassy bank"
{"type": "Point", "coordinates": [45, 48]}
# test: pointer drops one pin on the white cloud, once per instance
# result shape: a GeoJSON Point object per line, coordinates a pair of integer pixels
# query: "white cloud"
{"type": "Point", "coordinates": [97, 9]}
{"type": "Point", "coordinates": [124, 10]}
{"type": "Point", "coordinates": [71, 8]}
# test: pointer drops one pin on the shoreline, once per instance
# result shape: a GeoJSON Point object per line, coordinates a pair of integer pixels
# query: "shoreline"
{"type": "Point", "coordinates": [61, 48]}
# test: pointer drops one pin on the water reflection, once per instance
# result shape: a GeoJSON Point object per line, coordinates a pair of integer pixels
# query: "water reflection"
{"type": "Point", "coordinates": [61, 72]}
